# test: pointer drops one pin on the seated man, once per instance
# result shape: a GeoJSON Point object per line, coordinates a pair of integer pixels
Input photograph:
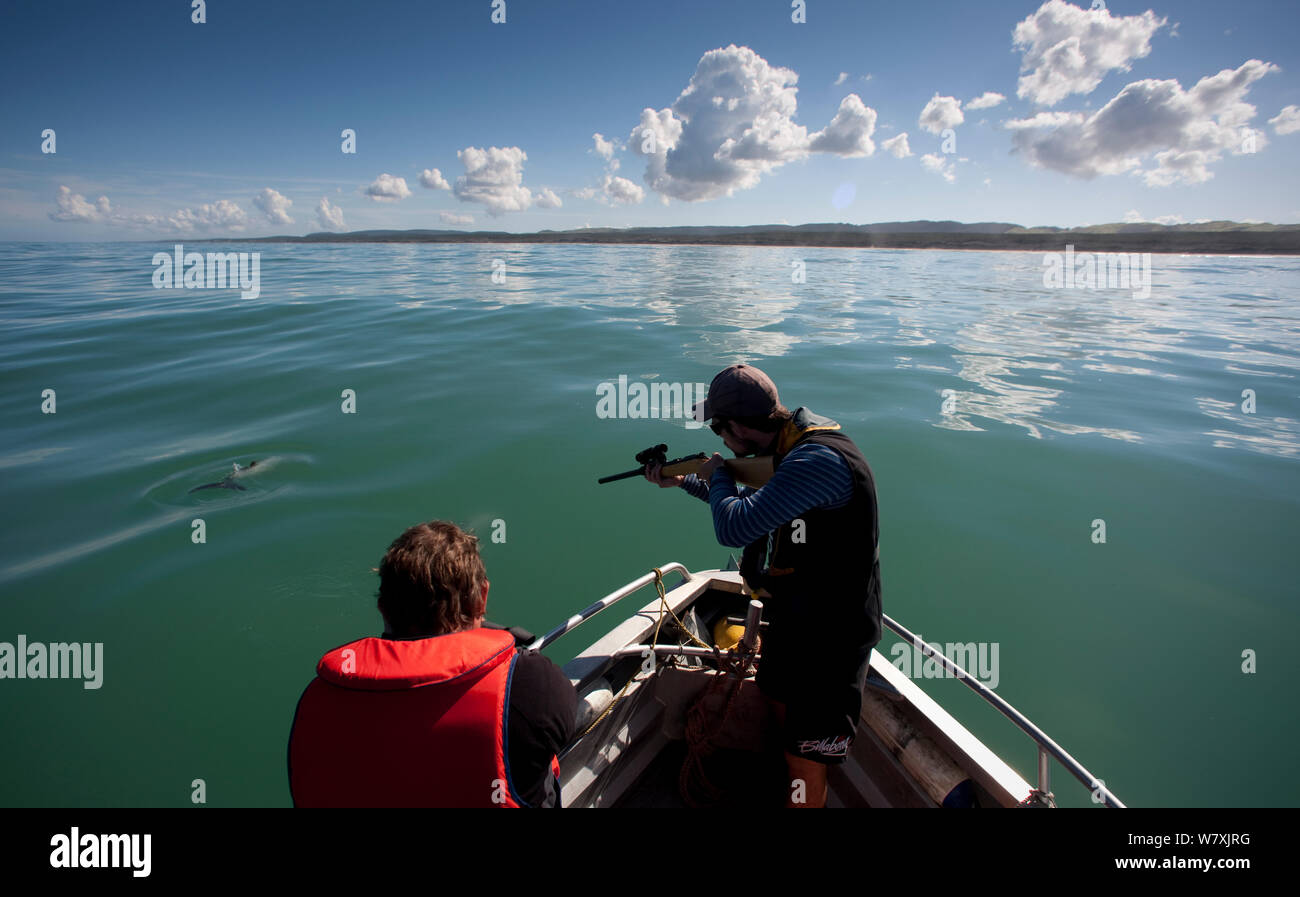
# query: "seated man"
{"type": "Point", "coordinates": [439, 711]}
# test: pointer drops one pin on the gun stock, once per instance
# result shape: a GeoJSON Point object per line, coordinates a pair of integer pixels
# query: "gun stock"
{"type": "Point", "coordinates": [753, 472]}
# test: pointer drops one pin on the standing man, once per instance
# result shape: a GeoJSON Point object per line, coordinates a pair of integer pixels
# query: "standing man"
{"type": "Point", "coordinates": [440, 711]}
{"type": "Point", "coordinates": [811, 539]}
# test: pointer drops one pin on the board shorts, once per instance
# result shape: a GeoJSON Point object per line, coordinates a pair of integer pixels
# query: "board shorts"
{"type": "Point", "coordinates": [818, 676]}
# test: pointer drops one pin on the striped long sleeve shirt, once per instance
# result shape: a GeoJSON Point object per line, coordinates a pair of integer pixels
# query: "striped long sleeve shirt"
{"type": "Point", "coordinates": [811, 476]}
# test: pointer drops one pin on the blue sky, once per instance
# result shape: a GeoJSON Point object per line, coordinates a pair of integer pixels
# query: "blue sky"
{"type": "Point", "coordinates": [232, 127]}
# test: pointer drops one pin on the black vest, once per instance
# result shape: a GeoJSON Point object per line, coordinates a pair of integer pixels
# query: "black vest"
{"type": "Point", "coordinates": [824, 574]}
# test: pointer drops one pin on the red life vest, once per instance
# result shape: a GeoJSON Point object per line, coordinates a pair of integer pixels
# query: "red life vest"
{"type": "Point", "coordinates": [420, 723]}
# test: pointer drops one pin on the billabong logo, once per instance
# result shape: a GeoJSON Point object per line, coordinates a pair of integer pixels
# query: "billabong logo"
{"type": "Point", "coordinates": [77, 851]}
{"type": "Point", "coordinates": [827, 747]}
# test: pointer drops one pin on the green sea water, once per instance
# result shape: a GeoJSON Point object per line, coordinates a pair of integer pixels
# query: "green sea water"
{"type": "Point", "coordinates": [476, 401]}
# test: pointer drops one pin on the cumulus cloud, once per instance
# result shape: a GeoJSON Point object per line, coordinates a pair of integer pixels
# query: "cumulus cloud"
{"type": "Point", "coordinates": [387, 188]}
{"type": "Point", "coordinates": [547, 198]}
{"type": "Point", "coordinates": [986, 100]}
{"type": "Point", "coordinates": [71, 206]}
{"type": "Point", "coordinates": [897, 145]}
{"type": "Point", "coordinates": [941, 113]}
{"type": "Point", "coordinates": [1287, 121]}
{"type": "Point", "coordinates": [849, 133]}
{"type": "Point", "coordinates": [940, 165]}
{"type": "Point", "coordinates": [841, 78]}
{"type": "Point", "coordinates": [604, 148]}
{"type": "Point", "coordinates": [220, 215]}
{"type": "Point", "coordinates": [494, 178]}
{"type": "Point", "coordinates": [274, 205]}
{"type": "Point", "coordinates": [1184, 131]}
{"type": "Point", "coordinates": [613, 190]}
{"type": "Point", "coordinates": [622, 191]}
{"type": "Point", "coordinates": [329, 217]}
{"type": "Point", "coordinates": [1066, 49]}
{"type": "Point", "coordinates": [1133, 216]}
{"type": "Point", "coordinates": [454, 218]}
{"type": "Point", "coordinates": [733, 123]}
{"type": "Point", "coordinates": [433, 179]}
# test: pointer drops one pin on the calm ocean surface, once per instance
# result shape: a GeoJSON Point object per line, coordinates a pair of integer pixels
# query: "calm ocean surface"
{"type": "Point", "coordinates": [476, 402]}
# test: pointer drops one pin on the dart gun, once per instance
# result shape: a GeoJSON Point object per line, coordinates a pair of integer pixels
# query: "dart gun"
{"type": "Point", "coordinates": [749, 471]}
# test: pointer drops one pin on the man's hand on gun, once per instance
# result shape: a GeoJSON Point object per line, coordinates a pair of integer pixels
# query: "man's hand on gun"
{"type": "Point", "coordinates": [653, 472]}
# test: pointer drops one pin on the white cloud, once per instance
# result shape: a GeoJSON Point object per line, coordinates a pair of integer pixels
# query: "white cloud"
{"type": "Point", "coordinates": [1069, 50]}
{"type": "Point", "coordinates": [604, 148]}
{"type": "Point", "coordinates": [986, 100]}
{"type": "Point", "coordinates": [73, 207]}
{"type": "Point", "coordinates": [1133, 216]}
{"type": "Point", "coordinates": [433, 179]}
{"type": "Point", "coordinates": [548, 199]}
{"type": "Point", "coordinates": [329, 217]}
{"type": "Point", "coordinates": [613, 190]}
{"type": "Point", "coordinates": [849, 133]}
{"type": "Point", "coordinates": [897, 145]}
{"type": "Point", "coordinates": [941, 113]}
{"type": "Point", "coordinates": [1287, 121]}
{"type": "Point", "coordinates": [494, 178]}
{"type": "Point", "coordinates": [940, 165]}
{"type": "Point", "coordinates": [733, 123]}
{"type": "Point", "coordinates": [387, 188]}
{"type": "Point", "coordinates": [1185, 130]}
{"type": "Point", "coordinates": [274, 205]}
{"type": "Point", "coordinates": [453, 218]}
{"type": "Point", "coordinates": [841, 78]}
{"type": "Point", "coordinates": [220, 215]}
{"type": "Point", "coordinates": [622, 191]}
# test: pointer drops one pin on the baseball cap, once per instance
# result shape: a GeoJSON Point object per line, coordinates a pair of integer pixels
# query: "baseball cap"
{"type": "Point", "coordinates": [741, 390]}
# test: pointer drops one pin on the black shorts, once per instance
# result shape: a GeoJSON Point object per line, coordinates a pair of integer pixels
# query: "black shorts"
{"type": "Point", "coordinates": [818, 676]}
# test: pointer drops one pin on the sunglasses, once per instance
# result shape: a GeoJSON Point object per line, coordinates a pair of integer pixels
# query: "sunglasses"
{"type": "Point", "coordinates": [718, 425]}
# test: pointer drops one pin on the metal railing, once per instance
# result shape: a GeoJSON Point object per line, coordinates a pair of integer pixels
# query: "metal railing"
{"type": "Point", "coordinates": [612, 598]}
{"type": "Point", "coordinates": [1047, 748]}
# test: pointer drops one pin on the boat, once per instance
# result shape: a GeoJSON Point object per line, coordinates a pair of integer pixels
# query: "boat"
{"type": "Point", "coordinates": [667, 718]}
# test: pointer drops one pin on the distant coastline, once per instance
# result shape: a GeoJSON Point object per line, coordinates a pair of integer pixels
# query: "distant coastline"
{"type": "Point", "coordinates": [1213, 237]}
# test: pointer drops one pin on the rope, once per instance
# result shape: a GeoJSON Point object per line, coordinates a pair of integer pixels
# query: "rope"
{"type": "Point", "coordinates": [700, 737]}
{"type": "Point", "coordinates": [663, 606]}
{"type": "Point", "coordinates": [700, 742]}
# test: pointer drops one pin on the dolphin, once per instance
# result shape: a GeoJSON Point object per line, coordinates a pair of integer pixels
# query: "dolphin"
{"type": "Point", "coordinates": [229, 481]}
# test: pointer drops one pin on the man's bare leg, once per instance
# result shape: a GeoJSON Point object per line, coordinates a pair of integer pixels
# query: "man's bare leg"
{"type": "Point", "coordinates": [806, 785]}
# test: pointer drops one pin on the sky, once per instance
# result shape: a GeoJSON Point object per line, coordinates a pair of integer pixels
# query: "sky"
{"type": "Point", "coordinates": [610, 114]}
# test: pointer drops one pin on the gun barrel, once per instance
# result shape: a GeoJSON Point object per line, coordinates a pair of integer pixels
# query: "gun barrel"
{"type": "Point", "coordinates": [622, 476]}
{"type": "Point", "coordinates": [641, 470]}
